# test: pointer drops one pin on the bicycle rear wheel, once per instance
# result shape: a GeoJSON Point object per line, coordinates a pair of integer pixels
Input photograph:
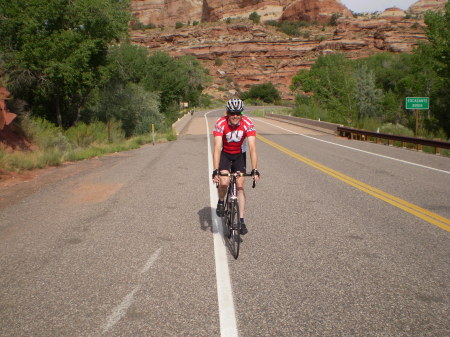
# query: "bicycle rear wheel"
{"type": "Point", "coordinates": [234, 230]}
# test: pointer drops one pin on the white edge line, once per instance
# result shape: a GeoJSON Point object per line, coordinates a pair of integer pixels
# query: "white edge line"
{"type": "Point", "coordinates": [120, 310]}
{"type": "Point", "coordinates": [227, 314]}
{"type": "Point", "coordinates": [354, 149]}
{"type": "Point", "coordinates": [151, 261]}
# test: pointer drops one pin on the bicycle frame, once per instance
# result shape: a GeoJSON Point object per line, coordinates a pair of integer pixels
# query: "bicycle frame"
{"type": "Point", "coordinates": [232, 222]}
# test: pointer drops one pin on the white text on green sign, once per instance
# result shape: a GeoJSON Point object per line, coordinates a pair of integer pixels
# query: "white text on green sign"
{"type": "Point", "coordinates": [417, 103]}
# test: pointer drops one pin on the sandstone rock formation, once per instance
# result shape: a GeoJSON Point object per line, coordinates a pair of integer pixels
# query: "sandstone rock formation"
{"type": "Point", "coordinates": [6, 117]}
{"type": "Point", "coordinates": [254, 54]}
{"type": "Point", "coordinates": [320, 11]}
{"type": "Point", "coordinates": [421, 6]}
{"type": "Point", "coordinates": [215, 10]}
{"type": "Point", "coordinates": [393, 13]}
{"type": "Point", "coordinates": [168, 12]}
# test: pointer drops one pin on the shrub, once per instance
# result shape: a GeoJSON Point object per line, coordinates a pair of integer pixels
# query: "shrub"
{"type": "Point", "coordinates": [44, 134]}
{"type": "Point", "coordinates": [290, 28]}
{"type": "Point", "coordinates": [396, 129]}
{"type": "Point", "coordinates": [273, 23]}
{"type": "Point", "coordinates": [255, 17]}
{"type": "Point", "coordinates": [83, 135]}
{"type": "Point", "coordinates": [334, 19]}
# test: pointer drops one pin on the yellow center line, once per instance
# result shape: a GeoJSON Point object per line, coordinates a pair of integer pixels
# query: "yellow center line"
{"type": "Point", "coordinates": [422, 213]}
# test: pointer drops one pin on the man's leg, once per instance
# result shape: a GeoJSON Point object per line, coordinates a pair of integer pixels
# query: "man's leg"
{"type": "Point", "coordinates": [223, 185]}
{"type": "Point", "coordinates": [241, 198]}
{"type": "Point", "coordinates": [222, 191]}
{"type": "Point", "coordinates": [241, 195]}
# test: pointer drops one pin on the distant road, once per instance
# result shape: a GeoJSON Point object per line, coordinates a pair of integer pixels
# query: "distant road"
{"type": "Point", "coordinates": [346, 238]}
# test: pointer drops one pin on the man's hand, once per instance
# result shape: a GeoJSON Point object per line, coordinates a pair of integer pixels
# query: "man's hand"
{"type": "Point", "coordinates": [255, 175]}
{"type": "Point", "coordinates": [215, 176]}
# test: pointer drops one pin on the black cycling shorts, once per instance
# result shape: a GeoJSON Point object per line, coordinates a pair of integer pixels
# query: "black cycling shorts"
{"type": "Point", "coordinates": [235, 162]}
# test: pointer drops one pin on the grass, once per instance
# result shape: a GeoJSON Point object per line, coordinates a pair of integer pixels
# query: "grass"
{"type": "Point", "coordinates": [55, 146]}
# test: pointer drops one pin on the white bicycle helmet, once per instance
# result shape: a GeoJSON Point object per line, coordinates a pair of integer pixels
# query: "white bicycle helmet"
{"type": "Point", "coordinates": [235, 105]}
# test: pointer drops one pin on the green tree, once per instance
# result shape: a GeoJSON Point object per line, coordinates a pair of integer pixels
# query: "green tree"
{"type": "Point", "coordinates": [438, 33]}
{"type": "Point", "coordinates": [126, 63]}
{"type": "Point", "coordinates": [136, 108]}
{"type": "Point", "coordinates": [331, 82]}
{"type": "Point", "coordinates": [54, 51]}
{"type": "Point", "coordinates": [176, 80]}
{"type": "Point", "coordinates": [265, 92]}
{"type": "Point", "coordinates": [367, 96]}
{"type": "Point", "coordinates": [195, 79]}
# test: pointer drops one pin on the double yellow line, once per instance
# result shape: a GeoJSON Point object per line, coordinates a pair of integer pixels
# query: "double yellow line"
{"type": "Point", "coordinates": [422, 213]}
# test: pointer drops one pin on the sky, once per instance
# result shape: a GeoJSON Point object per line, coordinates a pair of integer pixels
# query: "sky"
{"type": "Point", "coordinates": [361, 6]}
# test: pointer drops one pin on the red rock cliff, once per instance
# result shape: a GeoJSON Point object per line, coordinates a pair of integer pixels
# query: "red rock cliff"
{"type": "Point", "coordinates": [320, 11]}
{"type": "Point", "coordinates": [168, 12]}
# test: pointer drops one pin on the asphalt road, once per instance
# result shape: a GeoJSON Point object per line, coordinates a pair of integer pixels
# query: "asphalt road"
{"type": "Point", "coordinates": [346, 238]}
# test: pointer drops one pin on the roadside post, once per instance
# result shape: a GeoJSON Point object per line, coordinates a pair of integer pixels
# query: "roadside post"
{"type": "Point", "coordinates": [417, 103]}
{"type": "Point", "coordinates": [153, 134]}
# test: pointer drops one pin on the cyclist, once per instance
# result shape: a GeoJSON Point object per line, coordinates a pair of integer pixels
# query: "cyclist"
{"type": "Point", "coordinates": [229, 134]}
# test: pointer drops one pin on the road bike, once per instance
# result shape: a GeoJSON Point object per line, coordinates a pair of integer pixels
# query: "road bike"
{"type": "Point", "coordinates": [232, 227]}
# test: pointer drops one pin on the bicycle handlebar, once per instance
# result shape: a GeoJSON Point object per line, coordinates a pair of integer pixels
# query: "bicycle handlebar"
{"type": "Point", "coordinates": [238, 174]}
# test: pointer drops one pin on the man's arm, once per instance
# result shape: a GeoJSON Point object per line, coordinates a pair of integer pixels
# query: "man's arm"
{"type": "Point", "coordinates": [252, 149]}
{"type": "Point", "coordinates": [217, 151]}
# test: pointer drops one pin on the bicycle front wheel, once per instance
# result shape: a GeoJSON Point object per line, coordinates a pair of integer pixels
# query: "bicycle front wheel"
{"type": "Point", "coordinates": [235, 230]}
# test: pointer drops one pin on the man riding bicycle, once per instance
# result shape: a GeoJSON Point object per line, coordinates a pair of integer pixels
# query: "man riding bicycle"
{"type": "Point", "coordinates": [229, 134]}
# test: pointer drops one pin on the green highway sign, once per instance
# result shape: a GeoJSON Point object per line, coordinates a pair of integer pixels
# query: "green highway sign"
{"type": "Point", "coordinates": [417, 103]}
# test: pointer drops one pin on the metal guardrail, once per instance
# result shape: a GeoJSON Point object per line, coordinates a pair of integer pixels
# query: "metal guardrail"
{"type": "Point", "coordinates": [307, 123]}
{"type": "Point", "coordinates": [369, 135]}
{"type": "Point", "coordinates": [340, 130]}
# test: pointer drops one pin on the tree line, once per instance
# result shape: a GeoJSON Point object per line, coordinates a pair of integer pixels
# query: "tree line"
{"type": "Point", "coordinates": [70, 62]}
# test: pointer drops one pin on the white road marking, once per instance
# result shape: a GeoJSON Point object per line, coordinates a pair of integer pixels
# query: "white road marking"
{"type": "Point", "coordinates": [123, 307]}
{"type": "Point", "coordinates": [354, 149]}
{"type": "Point", "coordinates": [227, 314]}
{"type": "Point", "coordinates": [151, 261]}
{"type": "Point", "coordinates": [120, 310]}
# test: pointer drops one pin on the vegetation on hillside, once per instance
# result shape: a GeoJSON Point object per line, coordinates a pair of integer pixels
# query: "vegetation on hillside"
{"type": "Point", "coordinates": [373, 90]}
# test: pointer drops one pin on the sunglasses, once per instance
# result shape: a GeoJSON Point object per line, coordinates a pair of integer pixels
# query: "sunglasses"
{"type": "Point", "coordinates": [233, 113]}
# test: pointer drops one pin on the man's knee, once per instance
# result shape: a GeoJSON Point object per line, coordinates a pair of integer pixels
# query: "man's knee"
{"type": "Point", "coordinates": [224, 180]}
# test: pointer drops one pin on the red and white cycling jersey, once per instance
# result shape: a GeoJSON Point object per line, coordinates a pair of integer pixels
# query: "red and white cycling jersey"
{"type": "Point", "coordinates": [233, 135]}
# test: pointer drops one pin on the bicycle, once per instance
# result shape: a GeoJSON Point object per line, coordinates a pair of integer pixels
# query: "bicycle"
{"type": "Point", "coordinates": [232, 222]}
